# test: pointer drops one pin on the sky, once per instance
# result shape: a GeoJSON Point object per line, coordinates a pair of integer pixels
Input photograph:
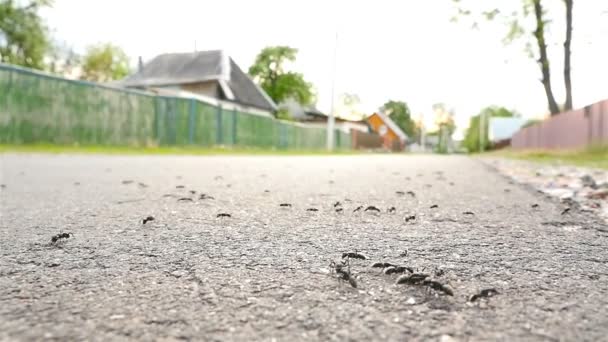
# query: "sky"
{"type": "Point", "coordinates": [385, 50]}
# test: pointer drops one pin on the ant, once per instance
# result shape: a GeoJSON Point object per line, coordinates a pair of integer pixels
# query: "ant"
{"type": "Point", "coordinates": [434, 206]}
{"type": "Point", "coordinates": [285, 205]}
{"type": "Point", "coordinates": [411, 193]}
{"type": "Point", "coordinates": [565, 211]}
{"type": "Point", "coordinates": [437, 286]}
{"type": "Point", "coordinates": [392, 209]}
{"type": "Point", "coordinates": [179, 186]}
{"type": "Point", "coordinates": [148, 219]}
{"type": "Point", "coordinates": [337, 204]}
{"type": "Point", "coordinates": [413, 279]}
{"type": "Point", "coordinates": [55, 239]}
{"type": "Point", "coordinates": [486, 293]}
{"type": "Point", "coordinates": [410, 218]}
{"type": "Point", "coordinates": [354, 255]}
{"type": "Point", "coordinates": [205, 196]}
{"type": "Point", "coordinates": [223, 215]}
{"type": "Point", "coordinates": [382, 265]}
{"type": "Point", "coordinates": [398, 269]}
{"type": "Point", "coordinates": [372, 208]}
{"type": "Point", "coordinates": [535, 205]}
{"type": "Point", "coordinates": [400, 193]}
{"type": "Point", "coordinates": [468, 213]}
{"type": "Point", "coordinates": [339, 210]}
{"type": "Point", "coordinates": [358, 208]}
{"type": "Point", "coordinates": [312, 209]}
{"type": "Point", "coordinates": [342, 273]}
{"type": "Point", "coordinates": [185, 199]}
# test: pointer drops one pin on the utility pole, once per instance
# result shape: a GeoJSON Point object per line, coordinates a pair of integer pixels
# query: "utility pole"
{"type": "Point", "coordinates": [482, 136]}
{"type": "Point", "coordinates": [331, 119]}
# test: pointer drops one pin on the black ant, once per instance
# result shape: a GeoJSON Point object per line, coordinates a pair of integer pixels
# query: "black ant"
{"type": "Point", "coordinates": [223, 215]}
{"type": "Point", "coordinates": [437, 286]}
{"type": "Point", "coordinates": [400, 193]}
{"type": "Point", "coordinates": [412, 279]}
{"type": "Point", "coordinates": [285, 205]}
{"type": "Point", "coordinates": [339, 210]}
{"type": "Point", "coordinates": [410, 218]}
{"type": "Point", "coordinates": [404, 253]}
{"type": "Point", "coordinates": [398, 269]}
{"type": "Point", "coordinates": [179, 186]}
{"type": "Point", "coordinates": [343, 274]}
{"type": "Point", "coordinates": [535, 205]}
{"type": "Point", "coordinates": [358, 208]}
{"type": "Point", "coordinates": [372, 208]}
{"type": "Point", "coordinates": [142, 185]}
{"type": "Point", "coordinates": [337, 204]}
{"type": "Point", "coordinates": [468, 213]}
{"type": "Point", "coordinates": [205, 196]}
{"type": "Point", "coordinates": [565, 211]}
{"type": "Point", "coordinates": [55, 239]}
{"type": "Point", "coordinates": [382, 265]}
{"type": "Point", "coordinates": [354, 255]}
{"type": "Point", "coordinates": [434, 206]}
{"type": "Point", "coordinates": [411, 193]}
{"type": "Point", "coordinates": [192, 192]}
{"type": "Point", "coordinates": [148, 219]}
{"type": "Point", "coordinates": [486, 293]}
{"type": "Point", "coordinates": [312, 209]}
{"type": "Point", "coordinates": [392, 209]}
{"type": "Point", "coordinates": [185, 199]}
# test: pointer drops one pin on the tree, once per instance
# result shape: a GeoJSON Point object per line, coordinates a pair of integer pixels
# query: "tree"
{"type": "Point", "coordinates": [269, 72]}
{"type": "Point", "coordinates": [473, 134]}
{"type": "Point", "coordinates": [444, 118]}
{"type": "Point", "coordinates": [23, 36]}
{"type": "Point", "coordinates": [105, 62]}
{"type": "Point", "coordinates": [399, 112]}
{"type": "Point", "coordinates": [536, 29]}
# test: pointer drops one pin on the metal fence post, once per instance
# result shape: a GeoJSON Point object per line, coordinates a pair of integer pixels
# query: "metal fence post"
{"type": "Point", "coordinates": [219, 125]}
{"type": "Point", "coordinates": [191, 121]}
{"type": "Point", "coordinates": [234, 118]}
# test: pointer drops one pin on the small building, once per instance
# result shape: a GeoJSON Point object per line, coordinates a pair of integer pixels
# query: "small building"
{"type": "Point", "coordinates": [501, 129]}
{"type": "Point", "coordinates": [207, 73]}
{"type": "Point", "coordinates": [394, 138]}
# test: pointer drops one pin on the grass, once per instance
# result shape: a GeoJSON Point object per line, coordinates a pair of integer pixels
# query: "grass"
{"type": "Point", "coordinates": [162, 150]}
{"type": "Point", "coordinates": [596, 156]}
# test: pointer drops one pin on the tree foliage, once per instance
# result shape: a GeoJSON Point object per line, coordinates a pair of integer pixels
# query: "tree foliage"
{"type": "Point", "coordinates": [23, 36]}
{"type": "Point", "coordinates": [528, 22]}
{"type": "Point", "coordinates": [269, 71]}
{"type": "Point", "coordinates": [399, 112]}
{"type": "Point", "coordinates": [472, 136]}
{"type": "Point", "coordinates": [105, 62]}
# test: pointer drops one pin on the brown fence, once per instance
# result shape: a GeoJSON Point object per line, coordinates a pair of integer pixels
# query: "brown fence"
{"type": "Point", "coordinates": [569, 130]}
{"type": "Point", "coordinates": [362, 140]}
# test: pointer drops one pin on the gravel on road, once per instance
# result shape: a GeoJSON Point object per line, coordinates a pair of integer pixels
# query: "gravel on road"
{"type": "Point", "coordinates": [266, 270]}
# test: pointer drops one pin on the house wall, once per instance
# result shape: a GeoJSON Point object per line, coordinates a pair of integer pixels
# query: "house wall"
{"type": "Point", "coordinates": [210, 88]}
{"type": "Point", "coordinates": [389, 138]}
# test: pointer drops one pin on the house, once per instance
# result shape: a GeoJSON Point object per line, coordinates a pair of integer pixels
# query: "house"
{"type": "Point", "coordinates": [205, 73]}
{"type": "Point", "coordinates": [394, 138]}
{"type": "Point", "coordinates": [315, 117]}
{"type": "Point", "coordinates": [501, 129]}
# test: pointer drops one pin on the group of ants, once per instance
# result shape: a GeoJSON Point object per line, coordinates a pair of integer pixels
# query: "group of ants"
{"type": "Point", "coordinates": [408, 276]}
{"type": "Point", "coordinates": [342, 269]}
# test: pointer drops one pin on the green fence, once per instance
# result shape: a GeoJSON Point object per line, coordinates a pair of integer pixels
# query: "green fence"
{"type": "Point", "coordinates": [39, 108]}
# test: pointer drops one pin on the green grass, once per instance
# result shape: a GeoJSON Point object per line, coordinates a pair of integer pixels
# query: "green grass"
{"type": "Point", "coordinates": [596, 156]}
{"type": "Point", "coordinates": [186, 150]}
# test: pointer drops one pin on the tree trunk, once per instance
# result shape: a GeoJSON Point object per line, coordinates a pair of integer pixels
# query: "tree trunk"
{"type": "Point", "coordinates": [567, 52]}
{"type": "Point", "coordinates": [543, 61]}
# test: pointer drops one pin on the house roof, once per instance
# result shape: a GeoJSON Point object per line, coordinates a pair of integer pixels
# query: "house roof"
{"type": "Point", "coordinates": [193, 67]}
{"type": "Point", "coordinates": [392, 125]}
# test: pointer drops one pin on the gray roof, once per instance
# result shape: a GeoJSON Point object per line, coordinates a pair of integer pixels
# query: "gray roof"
{"type": "Point", "coordinates": [183, 68]}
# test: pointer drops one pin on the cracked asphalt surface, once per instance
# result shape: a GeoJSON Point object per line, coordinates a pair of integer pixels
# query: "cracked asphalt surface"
{"type": "Point", "coordinates": [263, 274]}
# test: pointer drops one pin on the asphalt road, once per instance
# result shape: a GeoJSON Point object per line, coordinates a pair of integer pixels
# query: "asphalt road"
{"type": "Point", "coordinates": [264, 273]}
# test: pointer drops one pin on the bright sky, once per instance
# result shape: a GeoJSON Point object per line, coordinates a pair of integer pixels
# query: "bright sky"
{"type": "Point", "coordinates": [401, 50]}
